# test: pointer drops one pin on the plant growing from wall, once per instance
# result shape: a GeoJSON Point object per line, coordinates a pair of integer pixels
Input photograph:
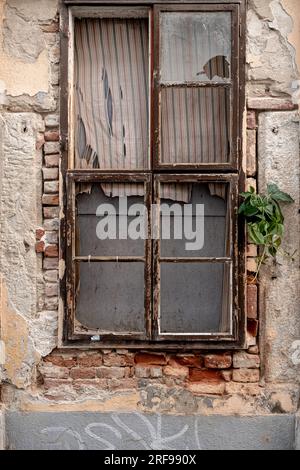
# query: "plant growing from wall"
{"type": "Point", "coordinates": [265, 221]}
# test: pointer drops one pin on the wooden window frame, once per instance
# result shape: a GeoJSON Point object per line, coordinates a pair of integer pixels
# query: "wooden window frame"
{"type": "Point", "coordinates": [69, 335]}
{"type": "Point", "coordinates": [233, 86]}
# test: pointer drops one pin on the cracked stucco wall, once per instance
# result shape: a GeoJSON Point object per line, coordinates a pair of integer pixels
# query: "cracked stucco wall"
{"type": "Point", "coordinates": [26, 330]}
{"type": "Point", "coordinates": [29, 57]}
{"type": "Point", "coordinates": [29, 60]}
{"type": "Point", "coordinates": [273, 44]}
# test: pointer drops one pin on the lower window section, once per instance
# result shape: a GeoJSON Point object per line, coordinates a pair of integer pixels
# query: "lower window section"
{"type": "Point", "coordinates": [194, 299]}
{"type": "Point", "coordinates": [110, 297]}
{"type": "Point", "coordinates": [152, 258]}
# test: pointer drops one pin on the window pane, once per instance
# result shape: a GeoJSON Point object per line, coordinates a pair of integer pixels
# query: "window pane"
{"type": "Point", "coordinates": [195, 125]}
{"type": "Point", "coordinates": [194, 298]}
{"type": "Point", "coordinates": [110, 296]}
{"type": "Point", "coordinates": [196, 227]}
{"type": "Point", "coordinates": [195, 46]}
{"type": "Point", "coordinates": [105, 217]}
{"type": "Point", "coordinates": [111, 93]}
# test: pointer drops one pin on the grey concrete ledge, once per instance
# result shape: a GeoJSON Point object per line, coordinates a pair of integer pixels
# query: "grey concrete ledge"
{"type": "Point", "coordinates": [134, 431]}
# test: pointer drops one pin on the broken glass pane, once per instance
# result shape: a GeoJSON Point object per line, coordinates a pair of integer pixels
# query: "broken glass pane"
{"type": "Point", "coordinates": [195, 47]}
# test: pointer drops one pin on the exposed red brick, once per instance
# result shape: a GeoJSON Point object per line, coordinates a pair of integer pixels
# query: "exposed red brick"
{"type": "Point", "coordinates": [174, 369]}
{"type": "Point", "coordinates": [252, 327]}
{"type": "Point", "coordinates": [253, 350]}
{"type": "Point", "coordinates": [113, 359]}
{"type": "Point", "coordinates": [40, 247]}
{"type": "Point", "coordinates": [53, 372]}
{"type": "Point", "coordinates": [51, 187]}
{"type": "Point", "coordinates": [112, 372]}
{"type": "Point", "coordinates": [40, 141]}
{"type": "Point", "coordinates": [243, 360]}
{"type": "Point", "coordinates": [81, 385]}
{"type": "Point", "coordinates": [39, 233]}
{"type": "Point", "coordinates": [52, 136]}
{"type": "Point", "coordinates": [51, 236]}
{"type": "Point", "coordinates": [218, 361]}
{"type": "Point", "coordinates": [124, 384]}
{"type": "Point", "coordinates": [50, 263]}
{"type": "Point", "coordinates": [251, 153]}
{"type": "Point", "coordinates": [251, 265]}
{"type": "Point", "coordinates": [142, 372]}
{"type": "Point", "coordinates": [245, 375]}
{"type": "Point", "coordinates": [271, 104]}
{"type": "Point", "coordinates": [209, 376]}
{"type": "Point", "coordinates": [226, 375]}
{"type": "Point", "coordinates": [189, 360]}
{"type": "Point", "coordinates": [150, 358]}
{"type": "Point", "coordinates": [207, 388]}
{"type": "Point", "coordinates": [83, 373]}
{"type": "Point", "coordinates": [51, 212]}
{"type": "Point", "coordinates": [55, 383]}
{"type": "Point", "coordinates": [62, 361]}
{"type": "Point", "coordinates": [51, 290]}
{"type": "Point", "coordinates": [156, 372]}
{"type": "Point", "coordinates": [251, 250]}
{"type": "Point", "coordinates": [51, 303]}
{"type": "Point", "coordinates": [51, 251]}
{"type": "Point", "coordinates": [50, 28]}
{"type": "Point", "coordinates": [50, 199]}
{"type": "Point", "coordinates": [50, 174]}
{"type": "Point", "coordinates": [251, 120]}
{"type": "Point", "coordinates": [93, 360]}
{"type": "Point", "coordinates": [52, 161]}
{"type": "Point", "coordinates": [252, 302]}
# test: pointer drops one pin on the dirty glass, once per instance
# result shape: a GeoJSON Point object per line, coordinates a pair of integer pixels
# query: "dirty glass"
{"type": "Point", "coordinates": [194, 298]}
{"type": "Point", "coordinates": [195, 47]}
{"type": "Point", "coordinates": [197, 227]}
{"type": "Point", "coordinates": [110, 297]}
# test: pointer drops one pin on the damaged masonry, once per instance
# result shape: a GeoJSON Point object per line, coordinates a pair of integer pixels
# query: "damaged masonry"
{"type": "Point", "coordinates": [139, 342]}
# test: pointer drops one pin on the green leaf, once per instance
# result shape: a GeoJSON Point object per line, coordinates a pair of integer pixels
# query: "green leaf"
{"type": "Point", "coordinates": [255, 234]}
{"type": "Point", "coordinates": [279, 195]}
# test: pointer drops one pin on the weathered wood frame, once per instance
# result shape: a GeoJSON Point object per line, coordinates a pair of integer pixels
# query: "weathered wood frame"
{"type": "Point", "coordinates": [230, 173]}
{"type": "Point", "coordinates": [233, 86]}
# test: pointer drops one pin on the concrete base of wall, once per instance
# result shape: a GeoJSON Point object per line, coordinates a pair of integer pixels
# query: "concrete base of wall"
{"type": "Point", "coordinates": [297, 434]}
{"type": "Point", "coordinates": [2, 429]}
{"type": "Point", "coordinates": [133, 431]}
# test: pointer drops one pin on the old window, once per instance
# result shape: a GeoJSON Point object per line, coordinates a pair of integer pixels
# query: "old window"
{"type": "Point", "coordinates": [152, 173]}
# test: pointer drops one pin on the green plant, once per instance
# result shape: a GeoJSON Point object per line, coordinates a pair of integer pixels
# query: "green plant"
{"type": "Point", "coordinates": [265, 221]}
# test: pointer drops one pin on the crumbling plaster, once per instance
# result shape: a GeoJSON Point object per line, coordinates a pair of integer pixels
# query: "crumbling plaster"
{"type": "Point", "coordinates": [26, 330]}
{"type": "Point", "coordinates": [273, 45]}
{"type": "Point", "coordinates": [29, 86]}
{"type": "Point", "coordinates": [28, 62]}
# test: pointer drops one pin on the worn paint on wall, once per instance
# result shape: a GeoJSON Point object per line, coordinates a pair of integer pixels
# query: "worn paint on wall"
{"type": "Point", "coordinates": [27, 333]}
{"type": "Point", "coordinates": [292, 8]}
{"type": "Point", "coordinates": [271, 57]}
{"type": "Point", "coordinates": [19, 76]}
{"type": "Point", "coordinates": [20, 354]}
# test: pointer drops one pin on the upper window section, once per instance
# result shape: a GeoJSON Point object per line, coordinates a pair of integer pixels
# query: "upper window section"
{"type": "Point", "coordinates": [111, 81]}
{"type": "Point", "coordinates": [195, 47]}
